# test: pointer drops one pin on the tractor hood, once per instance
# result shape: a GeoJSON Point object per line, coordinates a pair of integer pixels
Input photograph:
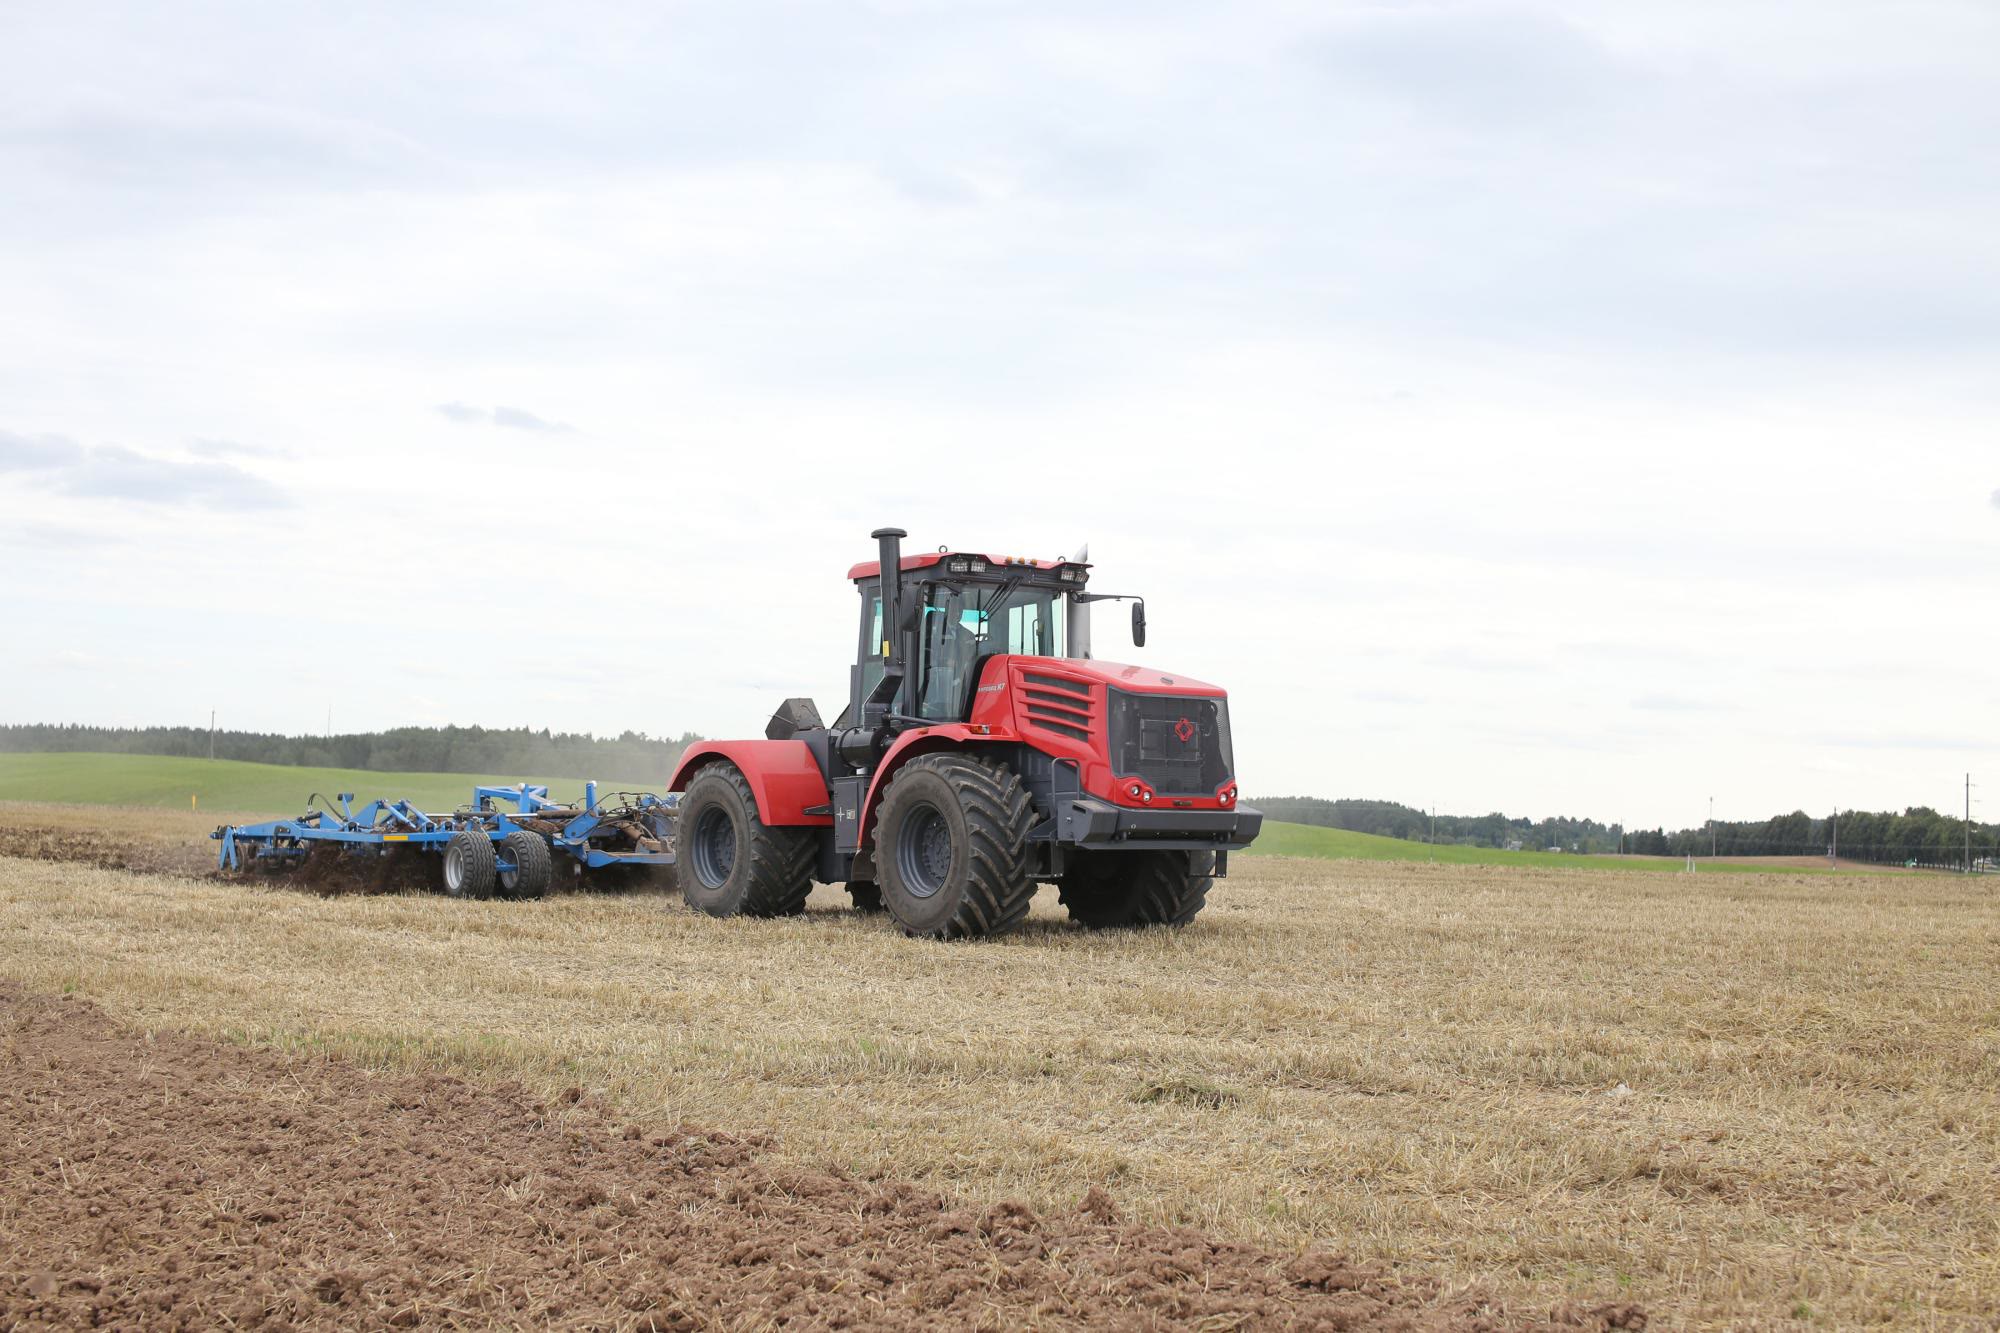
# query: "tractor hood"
{"type": "Point", "coordinates": [1142, 680]}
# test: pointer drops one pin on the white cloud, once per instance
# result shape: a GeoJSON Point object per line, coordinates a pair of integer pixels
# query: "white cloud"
{"type": "Point", "coordinates": [206, 448]}
{"type": "Point", "coordinates": [111, 472]}
{"type": "Point", "coordinates": [37, 453]}
{"type": "Point", "coordinates": [1485, 393]}
{"type": "Point", "coordinates": [507, 418]}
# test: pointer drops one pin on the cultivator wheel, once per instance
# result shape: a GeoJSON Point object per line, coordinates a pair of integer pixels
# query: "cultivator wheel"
{"type": "Point", "coordinates": [867, 897]}
{"type": "Point", "coordinates": [470, 868]}
{"type": "Point", "coordinates": [533, 866]}
{"type": "Point", "coordinates": [731, 862]}
{"type": "Point", "coordinates": [1103, 890]}
{"type": "Point", "coordinates": [951, 847]}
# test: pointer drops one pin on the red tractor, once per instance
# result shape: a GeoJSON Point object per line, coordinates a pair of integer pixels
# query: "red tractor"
{"type": "Point", "coordinates": [982, 750]}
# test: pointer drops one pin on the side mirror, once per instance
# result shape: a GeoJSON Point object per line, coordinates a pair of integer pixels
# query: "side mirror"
{"type": "Point", "coordinates": [1138, 624]}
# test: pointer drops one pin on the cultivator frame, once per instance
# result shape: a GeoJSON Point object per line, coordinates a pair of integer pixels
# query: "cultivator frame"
{"type": "Point", "coordinates": [637, 831]}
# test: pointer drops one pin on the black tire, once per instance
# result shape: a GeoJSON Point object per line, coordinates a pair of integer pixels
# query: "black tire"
{"type": "Point", "coordinates": [867, 897]}
{"type": "Point", "coordinates": [951, 847]}
{"type": "Point", "coordinates": [469, 869]}
{"type": "Point", "coordinates": [730, 862]}
{"type": "Point", "coordinates": [534, 867]}
{"type": "Point", "coordinates": [1106, 890]}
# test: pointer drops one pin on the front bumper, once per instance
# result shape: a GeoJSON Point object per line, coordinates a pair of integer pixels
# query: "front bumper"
{"type": "Point", "coordinates": [1084, 821]}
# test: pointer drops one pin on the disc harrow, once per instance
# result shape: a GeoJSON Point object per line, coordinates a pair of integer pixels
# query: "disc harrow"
{"type": "Point", "coordinates": [505, 840]}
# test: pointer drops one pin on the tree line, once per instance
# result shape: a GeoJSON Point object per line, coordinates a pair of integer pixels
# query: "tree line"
{"type": "Point", "coordinates": [631, 756]}
{"type": "Point", "coordinates": [1918, 834]}
{"type": "Point", "coordinates": [1392, 820]}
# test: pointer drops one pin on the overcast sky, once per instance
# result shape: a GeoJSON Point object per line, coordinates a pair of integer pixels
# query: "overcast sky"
{"type": "Point", "coordinates": [1576, 409]}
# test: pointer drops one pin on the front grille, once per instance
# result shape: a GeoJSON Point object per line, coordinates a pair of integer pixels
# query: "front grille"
{"type": "Point", "coordinates": [1060, 705]}
{"type": "Point", "coordinates": [1176, 744]}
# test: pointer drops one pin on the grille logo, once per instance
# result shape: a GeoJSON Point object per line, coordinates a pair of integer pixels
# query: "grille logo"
{"type": "Point", "coordinates": [1184, 731]}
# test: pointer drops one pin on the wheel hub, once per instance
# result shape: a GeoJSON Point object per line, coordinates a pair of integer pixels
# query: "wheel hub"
{"type": "Point", "coordinates": [923, 853]}
{"type": "Point", "coordinates": [713, 847]}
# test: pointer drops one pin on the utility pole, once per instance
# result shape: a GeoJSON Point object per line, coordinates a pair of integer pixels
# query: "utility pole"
{"type": "Point", "coordinates": [1434, 833]}
{"type": "Point", "coordinates": [211, 734]}
{"type": "Point", "coordinates": [1968, 823]}
{"type": "Point", "coordinates": [1711, 828]}
{"type": "Point", "coordinates": [1833, 840]}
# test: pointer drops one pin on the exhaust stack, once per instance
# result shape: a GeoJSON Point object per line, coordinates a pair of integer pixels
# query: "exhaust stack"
{"type": "Point", "coordinates": [890, 544]}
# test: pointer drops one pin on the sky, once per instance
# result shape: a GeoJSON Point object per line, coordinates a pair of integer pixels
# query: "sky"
{"type": "Point", "coordinates": [1559, 409]}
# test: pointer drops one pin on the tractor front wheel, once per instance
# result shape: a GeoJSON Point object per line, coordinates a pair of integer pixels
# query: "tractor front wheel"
{"type": "Point", "coordinates": [951, 847]}
{"type": "Point", "coordinates": [1110, 889]}
{"type": "Point", "coordinates": [731, 863]}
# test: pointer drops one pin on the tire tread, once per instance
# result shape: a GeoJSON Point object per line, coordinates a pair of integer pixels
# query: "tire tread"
{"type": "Point", "coordinates": [482, 877]}
{"type": "Point", "coordinates": [1107, 890]}
{"type": "Point", "coordinates": [998, 816]}
{"type": "Point", "coordinates": [779, 860]}
{"type": "Point", "coordinates": [537, 865]}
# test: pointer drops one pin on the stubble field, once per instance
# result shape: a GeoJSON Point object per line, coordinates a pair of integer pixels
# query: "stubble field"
{"type": "Point", "coordinates": [1724, 1099]}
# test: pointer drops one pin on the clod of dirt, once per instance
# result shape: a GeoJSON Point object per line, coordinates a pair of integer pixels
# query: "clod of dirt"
{"type": "Point", "coordinates": [133, 1193]}
{"type": "Point", "coordinates": [1097, 1205]}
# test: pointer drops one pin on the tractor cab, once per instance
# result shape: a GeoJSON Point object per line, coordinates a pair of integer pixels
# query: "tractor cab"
{"type": "Point", "coordinates": [962, 610]}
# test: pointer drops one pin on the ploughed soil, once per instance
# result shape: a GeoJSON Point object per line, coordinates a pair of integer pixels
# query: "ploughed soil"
{"type": "Point", "coordinates": [166, 1181]}
{"type": "Point", "coordinates": [110, 851]}
{"type": "Point", "coordinates": [115, 848]}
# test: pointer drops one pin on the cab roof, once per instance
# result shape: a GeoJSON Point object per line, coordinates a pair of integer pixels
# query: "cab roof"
{"type": "Point", "coordinates": [869, 569]}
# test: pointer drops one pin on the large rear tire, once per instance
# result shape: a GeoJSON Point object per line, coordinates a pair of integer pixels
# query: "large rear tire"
{"type": "Point", "coordinates": [951, 847]}
{"type": "Point", "coordinates": [469, 865]}
{"type": "Point", "coordinates": [730, 862]}
{"type": "Point", "coordinates": [1106, 890]}
{"type": "Point", "coordinates": [533, 866]}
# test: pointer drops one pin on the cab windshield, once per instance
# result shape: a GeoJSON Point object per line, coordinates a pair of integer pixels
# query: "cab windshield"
{"type": "Point", "coordinates": [964, 624]}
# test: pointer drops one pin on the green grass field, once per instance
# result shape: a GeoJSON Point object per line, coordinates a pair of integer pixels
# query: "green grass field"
{"type": "Point", "coordinates": [1332, 844]}
{"type": "Point", "coordinates": [227, 786]}
{"type": "Point", "coordinates": [230, 787]}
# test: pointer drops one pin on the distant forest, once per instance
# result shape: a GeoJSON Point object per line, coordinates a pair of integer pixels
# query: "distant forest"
{"type": "Point", "coordinates": [630, 757]}
{"type": "Point", "coordinates": [1918, 834]}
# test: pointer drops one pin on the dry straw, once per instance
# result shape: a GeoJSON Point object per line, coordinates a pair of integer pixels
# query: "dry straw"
{"type": "Point", "coordinates": [1728, 1098]}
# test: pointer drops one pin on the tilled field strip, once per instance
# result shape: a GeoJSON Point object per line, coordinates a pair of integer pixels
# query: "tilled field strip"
{"type": "Point", "coordinates": [170, 1181]}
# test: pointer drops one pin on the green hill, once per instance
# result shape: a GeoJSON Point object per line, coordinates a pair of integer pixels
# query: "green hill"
{"type": "Point", "coordinates": [233, 787]}
{"type": "Point", "coordinates": [1332, 844]}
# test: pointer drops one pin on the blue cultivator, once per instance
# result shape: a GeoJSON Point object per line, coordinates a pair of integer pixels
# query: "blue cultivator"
{"type": "Point", "coordinates": [486, 847]}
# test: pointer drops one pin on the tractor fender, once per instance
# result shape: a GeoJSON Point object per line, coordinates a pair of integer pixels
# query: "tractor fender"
{"type": "Point", "coordinates": [910, 745]}
{"type": "Point", "coordinates": [783, 775]}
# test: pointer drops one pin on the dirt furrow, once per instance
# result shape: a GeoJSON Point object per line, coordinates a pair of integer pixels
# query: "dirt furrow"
{"type": "Point", "coordinates": [172, 1182]}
